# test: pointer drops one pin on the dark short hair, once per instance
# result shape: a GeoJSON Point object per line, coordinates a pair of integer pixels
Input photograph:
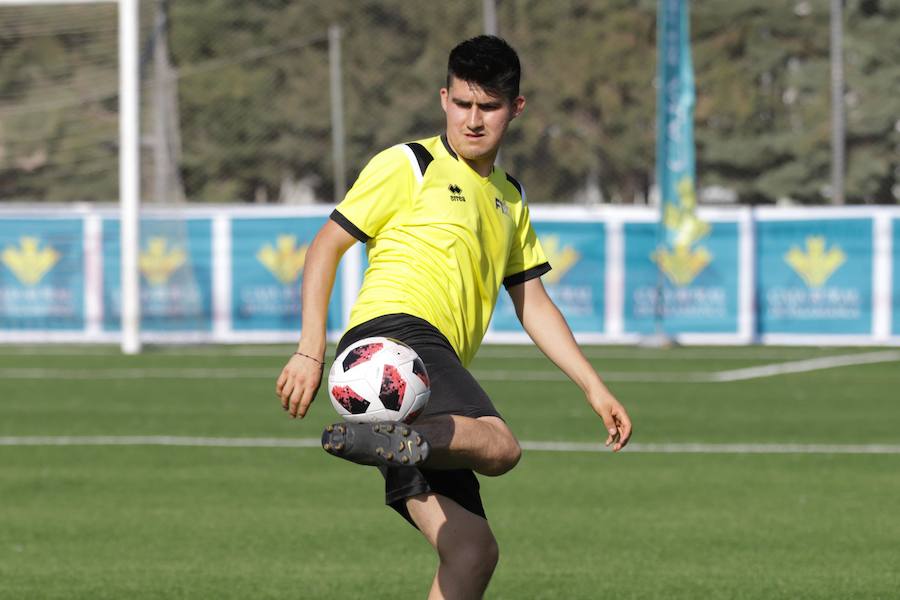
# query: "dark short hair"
{"type": "Point", "coordinates": [489, 62]}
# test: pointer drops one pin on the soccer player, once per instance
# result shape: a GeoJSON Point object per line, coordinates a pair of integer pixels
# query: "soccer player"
{"type": "Point", "coordinates": [444, 228]}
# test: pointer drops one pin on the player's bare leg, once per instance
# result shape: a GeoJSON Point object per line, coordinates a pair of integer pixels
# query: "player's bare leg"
{"type": "Point", "coordinates": [464, 542]}
{"type": "Point", "coordinates": [484, 445]}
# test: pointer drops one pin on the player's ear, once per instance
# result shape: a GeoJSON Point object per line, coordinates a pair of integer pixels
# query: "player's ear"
{"type": "Point", "coordinates": [445, 95]}
{"type": "Point", "coordinates": [518, 106]}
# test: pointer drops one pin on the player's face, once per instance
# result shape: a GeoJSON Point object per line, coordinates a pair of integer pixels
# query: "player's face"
{"type": "Point", "coordinates": [476, 121]}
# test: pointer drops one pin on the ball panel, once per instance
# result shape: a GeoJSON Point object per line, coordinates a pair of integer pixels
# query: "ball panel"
{"type": "Point", "coordinates": [360, 354]}
{"type": "Point", "coordinates": [418, 369]}
{"type": "Point", "coordinates": [352, 402]}
{"type": "Point", "coordinates": [416, 407]}
{"type": "Point", "coordinates": [393, 388]}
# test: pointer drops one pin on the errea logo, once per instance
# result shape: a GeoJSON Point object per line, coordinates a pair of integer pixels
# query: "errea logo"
{"type": "Point", "coordinates": [456, 194]}
{"type": "Point", "coordinates": [501, 206]}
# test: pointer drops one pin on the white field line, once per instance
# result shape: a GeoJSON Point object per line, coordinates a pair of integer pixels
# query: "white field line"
{"type": "Point", "coordinates": [213, 373]}
{"type": "Point", "coordinates": [803, 366]}
{"type": "Point", "coordinates": [673, 354]}
{"type": "Point", "coordinates": [487, 352]}
{"type": "Point", "coordinates": [139, 373]}
{"type": "Point", "coordinates": [667, 448]}
{"type": "Point", "coordinates": [799, 366]}
{"type": "Point", "coordinates": [696, 448]}
{"type": "Point", "coordinates": [615, 376]}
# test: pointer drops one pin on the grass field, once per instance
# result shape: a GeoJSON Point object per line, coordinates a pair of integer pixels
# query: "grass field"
{"type": "Point", "coordinates": [117, 480]}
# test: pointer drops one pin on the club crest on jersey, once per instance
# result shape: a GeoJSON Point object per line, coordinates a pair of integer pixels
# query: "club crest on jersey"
{"type": "Point", "coordinates": [501, 206]}
{"type": "Point", "coordinates": [456, 194]}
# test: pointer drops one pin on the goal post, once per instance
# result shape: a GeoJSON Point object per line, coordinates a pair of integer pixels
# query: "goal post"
{"type": "Point", "coordinates": [129, 159]}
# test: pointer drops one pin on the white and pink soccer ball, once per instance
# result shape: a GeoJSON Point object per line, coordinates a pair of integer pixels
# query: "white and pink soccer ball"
{"type": "Point", "coordinates": [378, 379]}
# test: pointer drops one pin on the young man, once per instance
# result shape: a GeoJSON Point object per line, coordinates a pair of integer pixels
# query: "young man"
{"type": "Point", "coordinates": [443, 228]}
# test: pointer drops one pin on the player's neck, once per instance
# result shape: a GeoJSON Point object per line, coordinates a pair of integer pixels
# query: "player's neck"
{"type": "Point", "coordinates": [484, 166]}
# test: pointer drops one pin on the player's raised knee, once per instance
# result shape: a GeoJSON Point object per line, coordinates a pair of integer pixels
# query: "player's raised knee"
{"type": "Point", "coordinates": [506, 455]}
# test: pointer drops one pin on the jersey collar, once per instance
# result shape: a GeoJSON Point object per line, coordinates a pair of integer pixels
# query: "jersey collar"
{"type": "Point", "coordinates": [453, 154]}
{"type": "Point", "coordinates": [447, 146]}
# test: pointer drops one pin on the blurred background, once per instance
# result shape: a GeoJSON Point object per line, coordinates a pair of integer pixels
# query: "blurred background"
{"type": "Point", "coordinates": [238, 99]}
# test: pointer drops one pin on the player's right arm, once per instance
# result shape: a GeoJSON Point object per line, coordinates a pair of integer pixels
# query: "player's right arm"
{"type": "Point", "coordinates": [300, 379]}
{"type": "Point", "coordinates": [365, 210]}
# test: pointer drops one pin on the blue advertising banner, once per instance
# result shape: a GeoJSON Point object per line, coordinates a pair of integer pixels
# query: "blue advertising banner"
{"type": "Point", "coordinates": [577, 253]}
{"type": "Point", "coordinates": [689, 289]}
{"type": "Point", "coordinates": [175, 262]}
{"type": "Point", "coordinates": [814, 277]}
{"type": "Point", "coordinates": [42, 274]}
{"type": "Point", "coordinates": [267, 258]}
{"type": "Point", "coordinates": [895, 292]}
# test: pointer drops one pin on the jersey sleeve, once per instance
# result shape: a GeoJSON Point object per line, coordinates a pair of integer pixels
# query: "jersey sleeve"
{"type": "Point", "coordinates": [383, 187]}
{"type": "Point", "coordinates": [526, 257]}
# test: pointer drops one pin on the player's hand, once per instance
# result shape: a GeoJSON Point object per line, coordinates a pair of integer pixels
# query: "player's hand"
{"type": "Point", "coordinates": [298, 383]}
{"type": "Point", "coordinates": [616, 420]}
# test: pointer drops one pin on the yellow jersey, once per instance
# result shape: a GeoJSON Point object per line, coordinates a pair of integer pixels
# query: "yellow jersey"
{"type": "Point", "coordinates": [440, 240]}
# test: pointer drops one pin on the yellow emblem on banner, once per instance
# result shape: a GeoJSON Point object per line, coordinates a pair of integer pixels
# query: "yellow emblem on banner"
{"type": "Point", "coordinates": [561, 259]}
{"type": "Point", "coordinates": [285, 260]}
{"type": "Point", "coordinates": [29, 263]}
{"type": "Point", "coordinates": [157, 262]}
{"type": "Point", "coordinates": [685, 227]}
{"type": "Point", "coordinates": [682, 263]}
{"type": "Point", "coordinates": [815, 266]}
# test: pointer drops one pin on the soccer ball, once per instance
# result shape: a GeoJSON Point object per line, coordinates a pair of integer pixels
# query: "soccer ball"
{"type": "Point", "coordinates": [378, 379]}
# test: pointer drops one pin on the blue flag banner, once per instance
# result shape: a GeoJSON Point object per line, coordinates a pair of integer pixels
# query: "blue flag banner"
{"type": "Point", "coordinates": [175, 262]}
{"type": "Point", "coordinates": [680, 229]}
{"type": "Point", "coordinates": [895, 292]}
{"type": "Point", "coordinates": [41, 274]}
{"type": "Point", "coordinates": [815, 277]}
{"type": "Point", "coordinates": [577, 253]}
{"type": "Point", "coordinates": [675, 162]}
{"type": "Point", "coordinates": [701, 296]}
{"type": "Point", "coordinates": [267, 259]}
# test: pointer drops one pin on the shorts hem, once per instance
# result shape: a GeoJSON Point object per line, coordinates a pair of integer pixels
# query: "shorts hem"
{"type": "Point", "coordinates": [406, 492]}
{"type": "Point", "coordinates": [472, 414]}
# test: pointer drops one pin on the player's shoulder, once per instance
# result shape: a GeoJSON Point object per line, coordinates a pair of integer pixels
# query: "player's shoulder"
{"type": "Point", "coordinates": [420, 154]}
{"type": "Point", "coordinates": [517, 185]}
{"type": "Point", "coordinates": [392, 156]}
{"type": "Point", "coordinates": [513, 190]}
{"type": "Point", "coordinates": [407, 159]}
{"type": "Point", "coordinates": [389, 166]}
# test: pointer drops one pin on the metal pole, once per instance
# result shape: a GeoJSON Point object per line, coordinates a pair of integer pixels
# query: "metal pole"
{"type": "Point", "coordinates": [337, 112]}
{"type": "Point", "coordinates": [837, 103]}
{"type": "Point", "coordinates": [129, 174]}
{"type": "Point", "coordinates": [161, 159]}
{"type": "Point", "coordinates": [489, 8]}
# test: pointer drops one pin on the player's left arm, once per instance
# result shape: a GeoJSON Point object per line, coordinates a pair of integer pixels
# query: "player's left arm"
{"type": "Point", "coordinates": [549, 330]}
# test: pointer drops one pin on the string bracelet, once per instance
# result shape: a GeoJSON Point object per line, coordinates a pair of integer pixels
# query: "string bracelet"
{"type": "Point", "coordinates": [321, 363]}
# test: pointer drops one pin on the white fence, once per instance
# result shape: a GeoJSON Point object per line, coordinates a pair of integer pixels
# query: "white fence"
{"type": "Point", "coordinates": [232, 274]}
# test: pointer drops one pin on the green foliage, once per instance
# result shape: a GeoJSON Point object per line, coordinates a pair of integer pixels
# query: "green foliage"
{"type": "Point", "coordinates": [763, 119]}
{"type": "Point", "coordinates": [58, 122]}
{"type": "Point", "coordinates": [254, 100]}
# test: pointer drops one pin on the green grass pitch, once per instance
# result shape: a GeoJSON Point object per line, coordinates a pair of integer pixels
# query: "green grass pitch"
{"type": "Point", "coordinates": [148, 521]}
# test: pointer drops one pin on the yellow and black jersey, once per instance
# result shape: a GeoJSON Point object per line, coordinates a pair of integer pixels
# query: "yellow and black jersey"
{"type": "Point", "coordinates": [440, 239]}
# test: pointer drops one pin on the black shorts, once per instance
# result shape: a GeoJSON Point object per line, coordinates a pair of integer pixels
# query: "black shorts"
{"type": "Point", "coordinates": [453, 391]}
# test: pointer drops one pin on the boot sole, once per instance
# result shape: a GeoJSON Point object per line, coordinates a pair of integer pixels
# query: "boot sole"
{"type": "Point", "coordinates": [377, 444]}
